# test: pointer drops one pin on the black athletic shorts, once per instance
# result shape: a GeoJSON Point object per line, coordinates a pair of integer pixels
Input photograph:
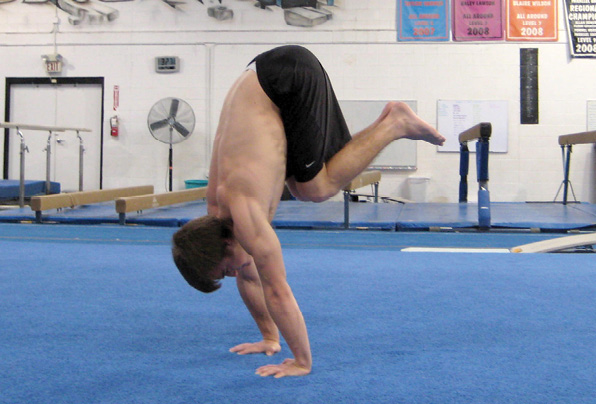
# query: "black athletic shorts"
{"type": "Point", "coordinates": [315, 127]}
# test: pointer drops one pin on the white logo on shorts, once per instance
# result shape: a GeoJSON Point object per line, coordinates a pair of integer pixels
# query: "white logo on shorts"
{"type": "Point", "coordinates": [309, 165]}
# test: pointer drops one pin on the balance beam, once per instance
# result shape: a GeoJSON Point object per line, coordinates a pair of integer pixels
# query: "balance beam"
{"type": "Point", "coordinates": [567, 142]}
{"type": "Point", "coordinates": [366, 178]}
{"type": "Point", "coordinates": [58, 201]}
{"type": "Point", "coordinates": [142, 202]}
{"type": "Point", "coordinates": [578, 138]}
{"type": "Point", "coordinates": [480, 131]}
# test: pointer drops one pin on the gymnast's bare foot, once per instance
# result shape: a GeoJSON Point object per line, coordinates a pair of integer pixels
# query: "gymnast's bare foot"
{"type": "Point", "coordinates": [408, 125]}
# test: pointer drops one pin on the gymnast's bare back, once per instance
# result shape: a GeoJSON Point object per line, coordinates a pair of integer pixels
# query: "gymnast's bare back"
{"type": "Point", "coordinates": [249, 151]}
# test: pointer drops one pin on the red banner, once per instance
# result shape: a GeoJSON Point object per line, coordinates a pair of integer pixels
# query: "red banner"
{"type": "Point", "coordinates": [532, 20]}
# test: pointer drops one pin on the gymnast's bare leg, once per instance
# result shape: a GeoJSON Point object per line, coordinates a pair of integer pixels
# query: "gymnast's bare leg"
{"type": "Point", "coordinates": [397, 121]}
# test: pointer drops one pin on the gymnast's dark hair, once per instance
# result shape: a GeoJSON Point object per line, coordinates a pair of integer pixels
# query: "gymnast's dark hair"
{"type": "Point", "coordinates": [198, 247]}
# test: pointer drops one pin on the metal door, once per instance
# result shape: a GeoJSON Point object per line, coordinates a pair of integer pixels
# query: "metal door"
{"type": "Point", "coordinates": [67, 105]}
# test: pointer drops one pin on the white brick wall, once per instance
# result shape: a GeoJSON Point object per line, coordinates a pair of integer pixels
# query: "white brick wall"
{"type": "Point", "coordinates": [364, 61]}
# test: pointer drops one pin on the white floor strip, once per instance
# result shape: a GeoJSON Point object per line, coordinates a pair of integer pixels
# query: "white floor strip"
{"type": "Point", "coordinates": [453, 249]}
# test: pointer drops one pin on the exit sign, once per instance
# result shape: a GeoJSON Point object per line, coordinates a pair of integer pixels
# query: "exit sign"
{"type": "Point", "coordinates": [53, 63]}
{"type": "Point", "coordinates": [53, 66]}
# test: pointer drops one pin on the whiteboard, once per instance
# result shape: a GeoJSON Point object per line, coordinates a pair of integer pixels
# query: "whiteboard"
{"type": "Point", "coordinates": [591, 124]}
{"type": "Point", "coordinates": [399, 155]}
{"type": "Point", "coordinates": [454, 117]}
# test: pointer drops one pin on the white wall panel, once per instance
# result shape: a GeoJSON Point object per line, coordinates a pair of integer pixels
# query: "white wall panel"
{"type": "Point", "coordinates": [364, 62]}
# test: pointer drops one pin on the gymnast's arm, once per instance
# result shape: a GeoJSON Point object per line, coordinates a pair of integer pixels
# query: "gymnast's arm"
{"type": "Point", "coordinates": [251, 291]}
{"type": "Point", "coordinates": [254, 233]}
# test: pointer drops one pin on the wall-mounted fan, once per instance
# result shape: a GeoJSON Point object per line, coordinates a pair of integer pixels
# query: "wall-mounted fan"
{"type": "Point", "coordinates": [171, 120]}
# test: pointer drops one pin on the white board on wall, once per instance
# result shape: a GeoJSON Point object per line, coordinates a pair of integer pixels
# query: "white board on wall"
{"type": "Point", "coordinates": [591, 115]}
{"type": "Point", "coordinates": [454, 117]}
{"type": "Point", "coordinates": [399, 155]}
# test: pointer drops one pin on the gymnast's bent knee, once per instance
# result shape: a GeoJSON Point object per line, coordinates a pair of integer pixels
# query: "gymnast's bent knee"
{"type": "Point", "coordinates": [314, 190]}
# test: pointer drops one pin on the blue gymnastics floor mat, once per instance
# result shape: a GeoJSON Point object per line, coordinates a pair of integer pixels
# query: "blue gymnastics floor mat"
{"type": "Point", "coordinates": [294, 214]}
{"type": "Point", "coordinates": [100, 213]}
{"type": "Point", "coordinates": [330, 215]}
{"type": "Point", "coordinates": [587, 208]}
{"type": "Point", "coordinates": [513, 215]}
{"type": "Point", "coordinates": [99, 314]}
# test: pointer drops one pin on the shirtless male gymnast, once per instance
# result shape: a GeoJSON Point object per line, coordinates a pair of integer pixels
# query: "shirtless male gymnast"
{"type": "Point", "coordinates": [280, 123]}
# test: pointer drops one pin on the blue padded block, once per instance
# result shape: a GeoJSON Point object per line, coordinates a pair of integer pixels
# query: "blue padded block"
{"type": "Point", "coordinates": [584, 207]}
{"type": "Point", "coordinates": [548, 216]}
{"type": "Point", "coordinates": [99, 213]}
{"type": "Point", "coordinates": [382, 216]}
{"type": "Point", "coordinates": [9, 189]}
{"type": "Point", "coordinates": [173, 215]}
{"type": "Point", "coordinates": [105, 213]}
{"type": "Point", "coordinates": [290, 214]}
{"type": "Point", "coordinates": [157, 222]}
{"type": "Point", "coordinates": [16, 215]}
{"type": "Point", "coordinates": [84, 214]}
{"type": "Point", "coordinates": [552, 216]}
{"type": "Point", "coordinates": [424, 215]}
{"type": "Point", "coordinates": [484, 208]}
{"type": "Point", "coordinates": [295, 214]}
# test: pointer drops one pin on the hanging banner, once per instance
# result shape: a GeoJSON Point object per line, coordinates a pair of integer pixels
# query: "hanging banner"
{"type": "Point", "coordinates": [422, 20]}
{"type": "Point", "coordinates": [477, 20]}
{"type": "Point", "coordinates": [581, 28]}
{"type": "Point", "coordinates": [532, 20]}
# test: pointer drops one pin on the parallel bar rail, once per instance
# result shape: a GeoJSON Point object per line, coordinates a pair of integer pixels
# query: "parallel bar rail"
{"type": "Point", "coordinates": [482, 133]}
{"type": "Point", "coordinates": [12, 125]}
{"type": "Point", "coordinates": [23, 148]}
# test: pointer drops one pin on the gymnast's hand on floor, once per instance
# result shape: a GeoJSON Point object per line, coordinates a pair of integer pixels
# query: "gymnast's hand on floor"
{"type": "Point", "coordinates": [268, 347]}
{"type": "Point", "coordinates": [286, 368]}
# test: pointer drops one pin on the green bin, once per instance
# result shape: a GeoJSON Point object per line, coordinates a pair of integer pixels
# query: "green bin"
{"type": "Point", "coordinates": [195, 183]}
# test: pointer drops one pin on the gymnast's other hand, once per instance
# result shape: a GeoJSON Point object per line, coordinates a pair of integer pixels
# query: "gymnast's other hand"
{"type": "Point", "coordinates": [289, 367]}
{"type": "Point", "coordinates": [268, 347]}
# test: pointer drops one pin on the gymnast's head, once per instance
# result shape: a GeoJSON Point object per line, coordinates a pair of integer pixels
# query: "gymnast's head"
{"type": "Point", "coordinates": [199, 248]}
